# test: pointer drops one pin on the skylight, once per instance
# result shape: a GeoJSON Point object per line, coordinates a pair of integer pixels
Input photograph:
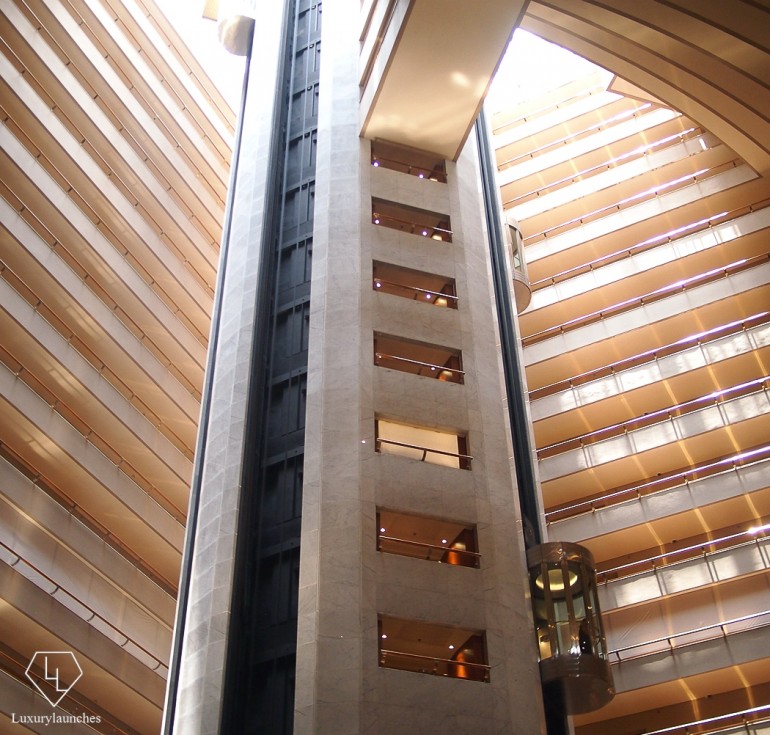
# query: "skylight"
{"type": "Point", "coordinates": [532, 66]}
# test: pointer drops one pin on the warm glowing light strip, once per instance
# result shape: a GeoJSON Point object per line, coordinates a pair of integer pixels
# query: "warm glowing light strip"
{"type": "Point", "coordinates": [648, 356]}
{"type": "Point", "coordinates": [700, 548]}
{"type": "Point", "coordinates": [669, 639]}
{"type": "Point", "coordinates": [585, 173]}
{"type": "Point", "coordinates": [691, 227]}
{"type": "Point", "coordinates": [719, 718]}
{"type": "Point", "coordinates": [571, 137]}
{"type": "Point", "coordinates": [621, 204]}
{"type": "Point", "coordinates": [647, 298]}
{"type": "Point", "coordinates": [660, 484]}
{"type": "Point", "coordinates": [655, 417]}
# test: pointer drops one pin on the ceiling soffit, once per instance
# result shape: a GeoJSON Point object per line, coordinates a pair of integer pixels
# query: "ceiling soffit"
{"type": "Point", "coordinates": [430, 88]}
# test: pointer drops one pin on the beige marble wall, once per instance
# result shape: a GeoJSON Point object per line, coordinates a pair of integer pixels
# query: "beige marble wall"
{"type": "Point", "coordinates": [330, 638]}
{"type": "Point", "coordinates": [344, 582]}
{"type": "Point", "coordinates": [199, 696]}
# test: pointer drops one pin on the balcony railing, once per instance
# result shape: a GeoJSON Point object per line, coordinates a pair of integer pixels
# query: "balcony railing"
{"type": "Point", "coordinates": [425, 229]}
{"type": "Point", "coordinates": [429, 552]}
{"type": "Point", "coordinates": [411, 161]}
{"type": "Point", "coordinates": [72, 602]}
{"type": "Point", "coordinates": [650, 356]}
{"type": "Point", "coordinates": [421, 286]}
{"type": "Point", "coordinates": [584, 173]}
{"type": "Point", "coordinates": [421, 172]}
{"type": "Point", "coordinates": [748, 720]}
{"type": "Point", "coordinates": [438, 298]}
{"type": "Point", "coordinates": [670, 413]}
{"type": "Point", "coordinates": [423, 453]}
{"type": "Point", "coordinates": [660, 484]}
{"type": "Point", "coordinates": [417, 367]}
{"type": "Point", "coordinates": [704, 551]}
{"type": "Point", "coordinates": [650, 297]}
{"type": "Point", "coordinates": [691, 228]}
{"type": "Point", "coordinates": [436, 666]}
{"type": "Point", "coordinates": [690, 637]}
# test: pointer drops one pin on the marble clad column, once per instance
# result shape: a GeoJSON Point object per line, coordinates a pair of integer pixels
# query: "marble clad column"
{"type": "Point", "coordinates": [329, 637]}
{"type": "Point", "coordinates": [206, 619]}
{"type": "Point", "coordinates": [345, 583]}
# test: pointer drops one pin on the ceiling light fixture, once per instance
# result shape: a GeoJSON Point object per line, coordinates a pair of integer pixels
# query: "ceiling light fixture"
{"type": "Point", "coordinates": [556, 580]}
{"type": "Point", "coordinates": [759, 529]}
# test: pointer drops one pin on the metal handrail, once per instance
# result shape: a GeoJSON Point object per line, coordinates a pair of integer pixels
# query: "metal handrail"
{"type": "Point", "coordinates": [691, 228]}
{"type": "Point", "coordinates": [588, 130]}
{"type": "Point", "coordinates": [418, 290]}
{"type": "Point", "coordinates": [646, 195]}
{"type": "Point", "coordinates": [678, 552]}
{"type": "Point", "coordinates": [420, 363]}
{"type": "Point", "coordinates": [421, 172]}
{"type": "Point", "coordinates": [475, 554]}
{"type": "Point", "coordinates": [436, 660]}
{"type": "Point", "coordinates": [684, 135]}
{"type": "Point", "coordinates": [669, 638]}
{"type": "Point", "coordinates": [708, 720]}
{"type": "Point", "coordinates": [647, 298]}
{"type": "Point", "coordinates": [649, 356]}
{"type": "Point", "coordinates": [660, 416]}
{"type": "Point", "coordinates": [678, 479]}
{"type": "Point", "coordinates": [412, 225]}
{"type": "Point", "coordinates": [58, 588]}
{"type": "Point", "coordinates": [424, 450]}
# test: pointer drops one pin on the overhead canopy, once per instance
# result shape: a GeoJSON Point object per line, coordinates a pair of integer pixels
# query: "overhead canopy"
{"type": "Point", "coordinates": [427, 67]}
